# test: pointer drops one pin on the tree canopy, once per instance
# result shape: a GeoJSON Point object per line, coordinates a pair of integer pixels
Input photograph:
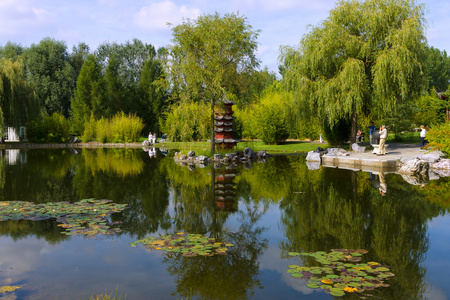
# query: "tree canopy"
{"type": "Point", "coordinates": [208, 53]}
{"type": "Point", "coordinates": [367, 56]}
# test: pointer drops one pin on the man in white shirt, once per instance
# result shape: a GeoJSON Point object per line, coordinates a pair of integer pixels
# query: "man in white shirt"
{"type": "Point", "coordinates": [383, 136]}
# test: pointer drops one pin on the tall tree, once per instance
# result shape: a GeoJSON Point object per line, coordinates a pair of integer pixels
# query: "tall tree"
{"type": "Point", "coordinates": [11, 50]}
{"type": "Point", "coordinates": [152, 99]}
{"type": "Point", "coordinates": [366, 56]}
{"type": "Point", "coordinates": [18, 101]}
{"type": "Point", "coordinates": [77, 57]}
{"type": "Point", "coordinates": [47, 64]}
{"type": "Point", "coordinates": [88, 97]}
{"type": "Point", "coordinates": [207, 52]}
{"type": "Point", "coordinates": [437, 69]}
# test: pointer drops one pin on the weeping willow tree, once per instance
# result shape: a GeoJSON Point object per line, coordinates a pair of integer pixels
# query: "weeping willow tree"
{"type": "Point", "coordinates": [18, 100]}
{"type": "Point", "coordinates": [208, 54]}
{"type": "Point", "coordinates": [366, 57]}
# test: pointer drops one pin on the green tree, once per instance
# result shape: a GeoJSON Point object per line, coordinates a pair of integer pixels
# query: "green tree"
{"type": "Point", "coordinates": [437, 69]}
{"type": "Point", "coordinates": [152, 98]}
{"type": "Point", "coordinates": [18, 101]}
{"type": "Point", "coordinates": [48, 66]}
{"type": "Point", "coordinates": [77, 57]}
{"type": "Point", "coordinates": [11, 50]}
{"type": "Point", "coordinates": [207, 52]}
{"type": "Point", "coordinates": [88, 96]}
{"type": "Point", "coordinates": [367, 56]}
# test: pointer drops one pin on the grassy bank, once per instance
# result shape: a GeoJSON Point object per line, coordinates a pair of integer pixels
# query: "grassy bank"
{"type": "Point", "coordinates": [203, 148]}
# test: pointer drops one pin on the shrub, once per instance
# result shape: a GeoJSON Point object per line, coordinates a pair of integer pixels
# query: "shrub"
{"type": "Point", "coordinates": [50, 129]}
{"type": "Point", "coordinates": [120, 129]}
{"type": "Point", "coordinates": [187, 122]}
{"type": "Point", "coordinates": [439, 138]}
{"type": "Point", "coordinates": [271, 118]}
{"type": "Point", "coordinates": [339, 133]}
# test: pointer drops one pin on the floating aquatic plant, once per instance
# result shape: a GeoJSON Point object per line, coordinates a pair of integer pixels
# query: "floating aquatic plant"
{"type": "Point", "coordinates": [342, 272]}
{"type": "Point", "coordinates": [9, 288]}
{"type": "Point", "coordinates": [186, 244]}
{"type": "Point", "coordinates": [87, 217]}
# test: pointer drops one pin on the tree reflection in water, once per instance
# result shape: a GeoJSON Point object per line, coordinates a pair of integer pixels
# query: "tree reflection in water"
{"type": "Point", "coordinates": [320, 210]}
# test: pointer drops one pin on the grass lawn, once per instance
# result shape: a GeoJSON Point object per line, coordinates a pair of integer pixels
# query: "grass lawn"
{"type": "Point", "coordinates": [202, 148]}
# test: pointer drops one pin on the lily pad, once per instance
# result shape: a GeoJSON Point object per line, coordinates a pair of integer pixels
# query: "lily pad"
{"type": "Point", "coordinates": [188, 245]}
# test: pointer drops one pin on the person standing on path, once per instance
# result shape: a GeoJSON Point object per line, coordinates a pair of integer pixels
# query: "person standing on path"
{"type": "Point", "coordinates": [372, 128]}
{"type": "Point", "coordinates": [423, 133]}
{"type": "Point", "coordinates": [383, 136]}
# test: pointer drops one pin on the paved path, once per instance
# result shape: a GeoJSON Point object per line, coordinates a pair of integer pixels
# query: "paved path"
{"type": "Point", "coordinates": [394, 151]}
{"type": "Point", "coordinates": [371, 162]}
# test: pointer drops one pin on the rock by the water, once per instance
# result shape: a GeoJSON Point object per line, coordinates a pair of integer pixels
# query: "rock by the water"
{"type": "Point", "coordinates": [313, 156]}
{"type": "Point", "coordinates": [145, 143]}
{"type": "Point", "coordinates": [217, 156]}
{"type": "Point", "coordinates": [73, 139]}
{"type": "Point", "coordinates": [230, 155]}
{"type": "Point", "coordinates": [415, 179]}
{"type": "Point", "coordinates": [429, 157]}
{"type": "Point", "coordinates": [414, 166]}
{"type": "Point", "coordinates": [183, 157]}
{"type": "Point", "coordinates": [248, 151]}
{"type": "Point", "coordinates": [319, 149]}
{"type": "Point", "coordinates": [202, 158]}
{"type": "Point", "coordinates": [337, 152]}
{"type": "Point", "coordinates": [313, 165]}
{"type": "Point", "coordinates": [358, 148]}
{"type": "Point", "coordinates": [442, 164]}
{"type": "Point", "coordinates": [191, 154]}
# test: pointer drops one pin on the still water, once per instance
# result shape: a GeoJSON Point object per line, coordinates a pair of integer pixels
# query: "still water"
{"type": "Point", "coordinates": [266, 210]}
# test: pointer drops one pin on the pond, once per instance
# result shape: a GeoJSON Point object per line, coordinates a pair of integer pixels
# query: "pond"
{"type": "Point", "coordinates": [267, 213]}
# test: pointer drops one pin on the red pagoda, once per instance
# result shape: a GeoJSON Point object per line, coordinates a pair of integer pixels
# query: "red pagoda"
{"type": "Point", "coordinates": [224, 126]}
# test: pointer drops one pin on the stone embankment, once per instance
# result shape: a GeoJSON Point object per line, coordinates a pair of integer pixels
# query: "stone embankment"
{"type": "Point", "coordinates": [247, 157]}
{"type": "Point", "coordinates": [402, 159]}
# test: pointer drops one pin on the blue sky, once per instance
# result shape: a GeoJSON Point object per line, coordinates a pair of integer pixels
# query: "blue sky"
{"type": "Point", "coordinates": [282, 22]}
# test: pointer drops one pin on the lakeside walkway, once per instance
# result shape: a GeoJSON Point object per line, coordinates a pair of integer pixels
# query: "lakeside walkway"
{"type": "Point", "coordinates": [371, 162]}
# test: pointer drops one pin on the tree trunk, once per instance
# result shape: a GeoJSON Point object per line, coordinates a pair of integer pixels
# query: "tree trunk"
{"type": "Point", "coordinates": [213, 137]}
{"type": "Point", "coordinates": [354, 127]}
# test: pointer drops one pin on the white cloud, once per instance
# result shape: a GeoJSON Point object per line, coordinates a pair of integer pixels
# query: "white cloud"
{"type": "Point", "coordinates": [155, 16]}
{"type": "Point", "coordinates": [18, 16]}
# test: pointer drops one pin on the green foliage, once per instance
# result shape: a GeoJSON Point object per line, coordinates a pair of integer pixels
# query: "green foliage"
{"type": "Point", "coordinates": [430, 110]}
{"type": "Point", "coordinates": [18, 101]}
{"type": "Point", "coordinates": [48, 67]}
{"type": "Point", "coordinates": [120, 128]}
{"type": "Point", "coordinates": [208, 54]}
{"type": "Point", "coordinates": [439, 138]}
{"type": "Point", "coordinates": [271, 118]}
{"type": "Point", "coordinates": [186, 122]}
{"type": "Point", "coordinates": [437, 69]}
{"type": "Point", "coordinates": [339, 133]}
{"type": "Point", "coordinates": [88, 96]}
{"type": "Point", "coordinates": [50, 129]}
{"type": "Point", "coordinates": [366, 56]}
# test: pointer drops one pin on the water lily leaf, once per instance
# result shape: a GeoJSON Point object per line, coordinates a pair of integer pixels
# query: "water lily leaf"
{"type": "Point", "coordinates": [9, 288]}
{"type": "Point", "coordinates": [294, 253]}
{"type": "Point", "coordinates": [297, 275]}
{"type": "Point", "coordinates": [313, 285]}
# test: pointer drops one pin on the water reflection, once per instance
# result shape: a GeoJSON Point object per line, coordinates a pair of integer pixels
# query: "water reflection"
{"type": "Point", "coordinates": [316, 209]}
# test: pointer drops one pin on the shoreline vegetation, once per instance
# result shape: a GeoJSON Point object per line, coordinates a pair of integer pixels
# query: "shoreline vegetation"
{"type": "Point", "coordinates": [287, 147]}
{"type": "Point", "coordinates": [293, 146]}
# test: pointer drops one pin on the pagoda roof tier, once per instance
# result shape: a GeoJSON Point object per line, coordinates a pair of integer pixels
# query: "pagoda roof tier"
{"type": "Point", "coordinates": [222, 117]}
{"type": "Point", "coordinates": [223, 129]}
{"type": "Point", "coordinates": [224, 124]}
{"type": "Point", "coordinates": [219, 141]}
